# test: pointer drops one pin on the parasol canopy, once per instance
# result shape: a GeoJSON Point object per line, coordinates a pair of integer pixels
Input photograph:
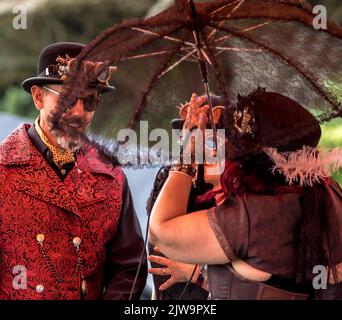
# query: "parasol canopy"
{"type": "Point", "coordinates": [235, 46]}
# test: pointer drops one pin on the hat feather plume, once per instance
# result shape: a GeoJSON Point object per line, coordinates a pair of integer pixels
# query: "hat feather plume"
{"type": "Point", "coordinates": [307, 165]}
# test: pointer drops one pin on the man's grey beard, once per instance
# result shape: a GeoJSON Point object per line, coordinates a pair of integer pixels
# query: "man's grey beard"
{"type": "Point", "coordinates": [69, 138]}
{"type": "Point", "coordinates": [68, 144]}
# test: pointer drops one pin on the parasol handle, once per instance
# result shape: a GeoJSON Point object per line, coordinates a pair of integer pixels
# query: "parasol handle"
{"type": "Point", "coordinates": [203, 67]}
{"type": "Point", "coordinates": [204, 73]}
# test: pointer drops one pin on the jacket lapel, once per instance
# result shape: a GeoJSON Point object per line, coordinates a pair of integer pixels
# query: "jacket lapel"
{"type": "Point", "coordinates": [86, 188]}
{"type": "Point", "coordinates": [84, 177]}
{"type": "Point", "coordinates": [80, 188]}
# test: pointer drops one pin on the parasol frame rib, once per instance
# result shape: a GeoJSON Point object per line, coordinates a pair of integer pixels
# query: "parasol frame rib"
{"type": "Point", "coordinates": [177, 63]}
{"type": "Point", "coordinates": [244, 36]}
{"type": "Point", "coordinates": [215, 67]}
{"type": "Point", "coordinates": [255, 27]}
{"type": "Point", "coordinates": [141, 105]}
{"type": "Point", "coordinates": [190, 44]}
{"type": "Point", "coordinates": [212, 34]}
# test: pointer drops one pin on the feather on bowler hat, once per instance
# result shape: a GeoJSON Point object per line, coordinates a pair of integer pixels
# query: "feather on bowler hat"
{"type": "Point", "coordinates": [53, 64]}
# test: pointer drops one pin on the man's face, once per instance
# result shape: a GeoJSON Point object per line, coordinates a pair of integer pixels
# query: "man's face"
{"type": "Point", "coordinates": [76, 119]}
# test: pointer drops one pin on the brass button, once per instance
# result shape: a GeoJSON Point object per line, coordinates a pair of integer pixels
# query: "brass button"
{"type": "Point", "coordinates": [40, 238]}
{"type": "Point", "coordinates": [63, 172]}
{"type": "Point", "coordinates": [76, 241]}
{"type": "Point", "coordinates": [39, 288]}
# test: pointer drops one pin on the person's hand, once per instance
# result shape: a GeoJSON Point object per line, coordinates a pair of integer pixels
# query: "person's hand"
{"type": "Point", "coordinates": [197, 115]}
{"type": "Point", "coordinates": [196, 118]}
{"type": "Point", "coordinates": [176, 271]}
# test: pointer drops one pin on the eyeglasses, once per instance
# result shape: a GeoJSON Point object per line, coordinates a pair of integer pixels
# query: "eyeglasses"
{"type": "Point", "coordinates": [210, 144]}
{"type": "Point", "coordinates": [90, 102]}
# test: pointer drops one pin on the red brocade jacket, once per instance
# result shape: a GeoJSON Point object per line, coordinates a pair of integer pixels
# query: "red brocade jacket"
{"type": "Point", "coordinates": [59, 236]}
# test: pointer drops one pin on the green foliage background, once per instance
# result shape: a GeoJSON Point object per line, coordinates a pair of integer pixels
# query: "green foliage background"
{"type": "Point", "coordinates": [81, 21]}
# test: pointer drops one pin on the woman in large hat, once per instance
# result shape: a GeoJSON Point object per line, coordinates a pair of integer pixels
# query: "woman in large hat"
{"type": "Point", "coordinates": [278, 213]}
{"type": "Point", "coordinates": [174, 280]}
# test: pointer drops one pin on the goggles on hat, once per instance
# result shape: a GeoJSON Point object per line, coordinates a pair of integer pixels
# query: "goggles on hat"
{"type": "Point", "coordinates": [65, 65]}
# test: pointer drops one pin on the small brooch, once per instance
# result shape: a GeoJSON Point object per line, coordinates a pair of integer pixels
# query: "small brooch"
{"type": "Point", "coordinates": [243, 120]}
{"type": "Point", "coordinates": [67, 64]}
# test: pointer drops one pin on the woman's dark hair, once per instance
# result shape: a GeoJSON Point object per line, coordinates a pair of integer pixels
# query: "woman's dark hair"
{"type": "Point", "coordinates": [251, 174]}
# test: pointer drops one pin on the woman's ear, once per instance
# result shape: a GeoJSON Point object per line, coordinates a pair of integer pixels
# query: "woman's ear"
{"type": "Point", "coordinates": [38, 96]}
{"type": "Point", "coordinates": [183, 112]}
{"type": "Point", "coordinates": [217, 112]}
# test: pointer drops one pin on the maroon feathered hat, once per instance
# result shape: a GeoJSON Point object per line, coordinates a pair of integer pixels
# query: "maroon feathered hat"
{"type": "Point", "coordinates": [269, 120]}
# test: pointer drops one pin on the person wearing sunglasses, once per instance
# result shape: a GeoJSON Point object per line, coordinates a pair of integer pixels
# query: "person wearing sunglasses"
{"type": "Point", "coordinates": [174, 280]}
{"type": "Point", "coordinates": [276, 213]}
{"type": "Point", "coordinates": [69, 229]}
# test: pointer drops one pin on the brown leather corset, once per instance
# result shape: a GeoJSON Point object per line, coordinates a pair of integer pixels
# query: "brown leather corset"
{"type": "Point", "coordinates": [225, 284]}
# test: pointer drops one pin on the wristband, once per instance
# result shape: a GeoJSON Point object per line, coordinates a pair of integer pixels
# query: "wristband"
{"type": "Point", "coordinates": [185, 168]}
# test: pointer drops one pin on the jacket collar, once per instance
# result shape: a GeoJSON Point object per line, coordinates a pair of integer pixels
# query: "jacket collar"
{"type": "Point", "coordinates": [80, 188]}
{"type": "Point", "coordinates": [17, 149]}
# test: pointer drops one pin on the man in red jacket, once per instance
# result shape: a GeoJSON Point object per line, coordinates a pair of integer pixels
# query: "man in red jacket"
{"type": "Point", "coordinates": [68, 225]}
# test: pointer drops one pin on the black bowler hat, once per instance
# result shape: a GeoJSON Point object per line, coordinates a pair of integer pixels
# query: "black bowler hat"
{"type": "Point", "coordinates": [49, 69]}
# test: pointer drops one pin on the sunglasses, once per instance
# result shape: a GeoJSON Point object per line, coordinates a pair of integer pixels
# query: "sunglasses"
{"type": "Point", "coordinates": [210, 144]}
{"type": "Point", "coordinates": [90, 102]}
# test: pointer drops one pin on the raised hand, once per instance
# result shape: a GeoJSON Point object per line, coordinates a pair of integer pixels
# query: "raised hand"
{"type": "Point", "coordinates": [197, 115]}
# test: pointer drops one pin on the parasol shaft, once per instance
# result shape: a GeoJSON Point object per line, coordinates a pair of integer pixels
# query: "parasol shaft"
{"type": "Point", "coordinates": [204, 73]}
{"type": "Point", "coordinates": [203, 68]}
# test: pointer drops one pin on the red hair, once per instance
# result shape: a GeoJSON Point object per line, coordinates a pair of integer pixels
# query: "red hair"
{"type": "Point", "coordinates": [253, 176]}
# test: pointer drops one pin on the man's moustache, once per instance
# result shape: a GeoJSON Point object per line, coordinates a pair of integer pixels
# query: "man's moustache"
{"type": "Point", "coordinates": [75, 122]}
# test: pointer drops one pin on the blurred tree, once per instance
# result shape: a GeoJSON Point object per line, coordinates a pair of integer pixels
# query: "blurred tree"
{"type": "Point", "coordinates": [332, 138]}
{"type": "Point", "coordinates": [81, 21]}
{"type": "Point", "coordinates": [52, 21]}
{"type": "Point", "coordinates": [77, 20]}
{"type": "Point", "coordinates": [18, 102]}
{"type": "Point", "coordinates": [332, 131]}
